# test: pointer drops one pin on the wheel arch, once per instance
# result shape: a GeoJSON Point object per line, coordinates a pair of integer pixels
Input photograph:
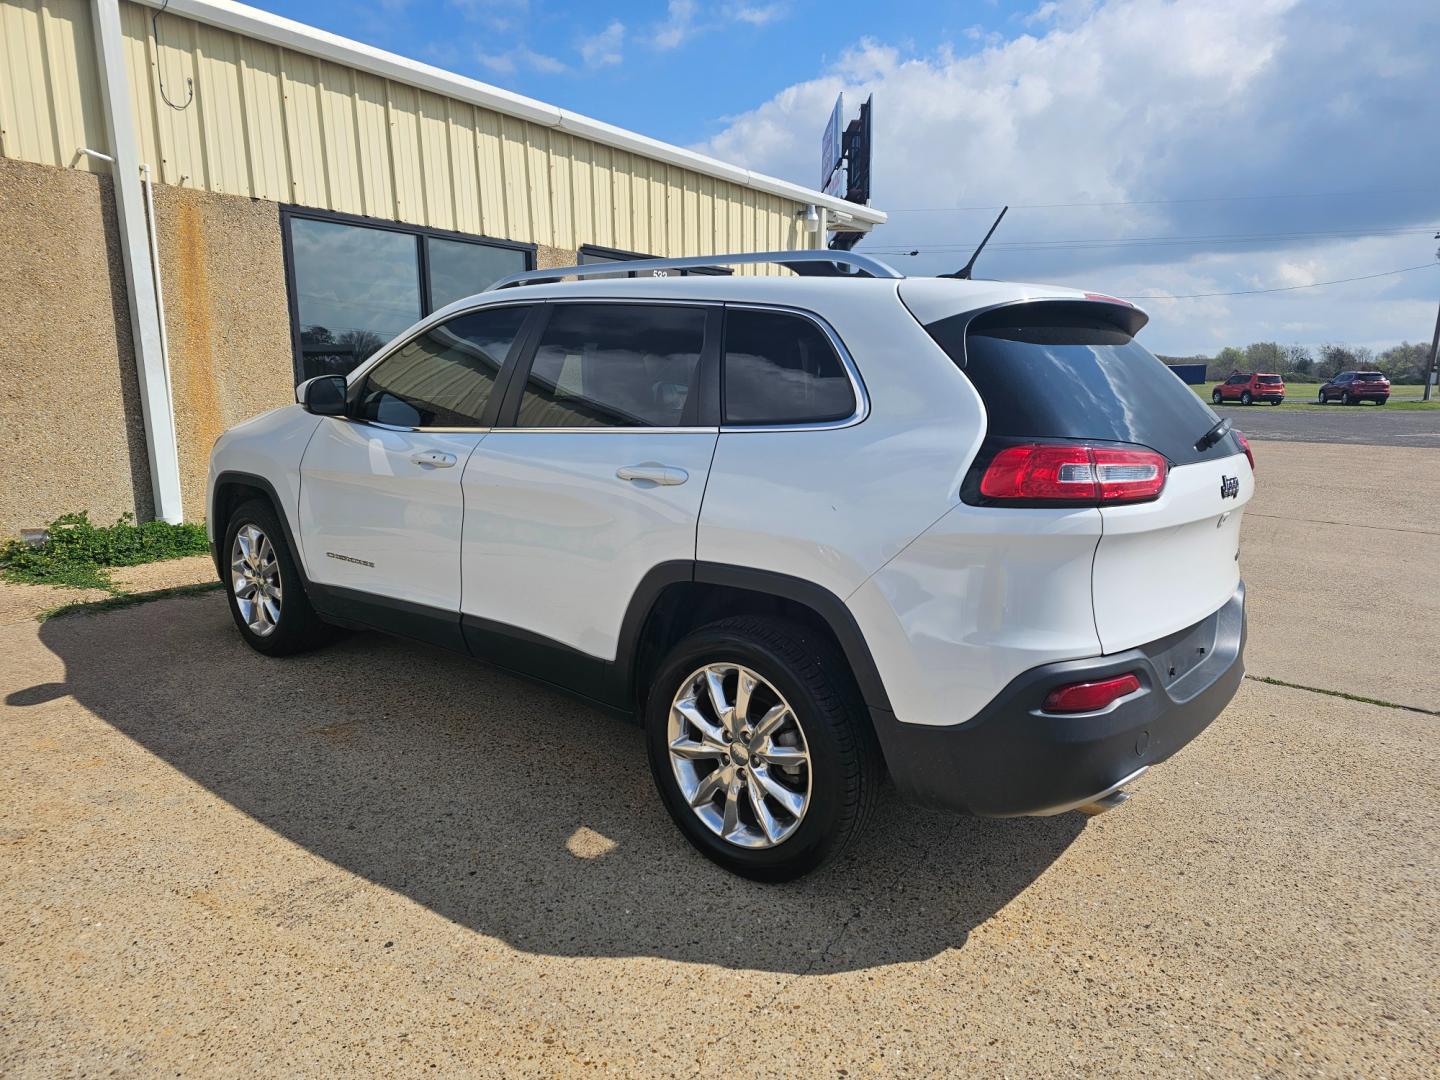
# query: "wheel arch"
{"type": "Point", "coordinates": [676, 598]}
{"type": "Point", "coordinates": [232, 488]}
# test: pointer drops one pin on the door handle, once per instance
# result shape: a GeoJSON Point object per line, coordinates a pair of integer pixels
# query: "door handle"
{"type": "Point", "coordinates": [654, 473]}
{"type": "Point", "coordinates": [435, 459]}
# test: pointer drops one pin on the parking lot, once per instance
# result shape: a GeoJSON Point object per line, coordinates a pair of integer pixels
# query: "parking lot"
{"type": "Point", "coordinates": [383, 859]}
{"type": "Point", "coordinates": [1360, 424]}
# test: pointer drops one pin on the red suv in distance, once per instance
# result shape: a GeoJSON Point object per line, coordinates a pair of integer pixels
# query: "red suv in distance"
{"type": "Point", "coordinates": [1353, 387]}
{"type": "Point", "coordinates": [1246, 387]}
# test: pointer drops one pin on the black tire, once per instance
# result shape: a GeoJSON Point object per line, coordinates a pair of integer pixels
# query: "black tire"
{"type": "Point", "coordinates": [1347, 399]}
{"type": "Point", "coordinates": [1277, 401]}
{"type": "Point", "coordinates": [1381, 401]}
{"type": "Point", "coordinates": [1245, 398]}
{"type": "Point", "coordinates": [845, 764]}
{"type": "Point", "coordinates": [298, 628]}
{"type": "Point", "coordinates": [1323, 399]}
{"type": "Point", "coordinates": [1216, 398]}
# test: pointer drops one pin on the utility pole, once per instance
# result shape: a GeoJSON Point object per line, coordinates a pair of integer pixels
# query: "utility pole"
{"type": "Point", "coordinates": [1430, 365]}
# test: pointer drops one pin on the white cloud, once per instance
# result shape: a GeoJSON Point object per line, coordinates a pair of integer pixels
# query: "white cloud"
{"type": "Point", "coordinates": [604, 49]}
{"type": "Point", "coordinates": [684, 20]}
{"type": "Point", "coordinates": [757, 14]}
{"type": "Point", "coordinates": [498, 16]}
{"type": "Point", "coordinates": [521, 57]}
{"type": "Point", "coordinates": [678, 26]}
{"type": "Point", "coordinates": [1132, 100]}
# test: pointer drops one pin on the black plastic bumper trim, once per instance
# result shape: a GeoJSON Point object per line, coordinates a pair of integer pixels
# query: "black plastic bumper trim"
{"type": "Point", "coordinates": [1013, 759]}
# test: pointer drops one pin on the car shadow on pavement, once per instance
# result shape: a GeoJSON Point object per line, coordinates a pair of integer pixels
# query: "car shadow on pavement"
{"type": "Point", "coordinates": [511, 809]}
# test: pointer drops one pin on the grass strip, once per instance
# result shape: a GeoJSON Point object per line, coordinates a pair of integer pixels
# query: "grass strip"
{"type": "Point", "coordinates": [80, 555]}
{"type": "Point", "coordinates": [1348, 697]}
{"type": "Point", "coordinates": [124, 600]}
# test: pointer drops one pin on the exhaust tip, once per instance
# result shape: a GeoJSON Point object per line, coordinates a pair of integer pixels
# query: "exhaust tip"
{"type": "Point", "coordinates": [1104, 805]}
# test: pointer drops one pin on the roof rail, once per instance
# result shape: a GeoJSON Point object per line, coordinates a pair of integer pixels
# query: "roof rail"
{"type": "Point", "coordinates": [805, 263]}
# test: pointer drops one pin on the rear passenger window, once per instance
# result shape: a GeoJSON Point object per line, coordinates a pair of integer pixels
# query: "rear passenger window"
{"type": "Point", "coordinates": [444, 377]}
{"type": "Point", "coordinates": [615, 365]}
{"type": "Point", "coordinates": [782, 369]}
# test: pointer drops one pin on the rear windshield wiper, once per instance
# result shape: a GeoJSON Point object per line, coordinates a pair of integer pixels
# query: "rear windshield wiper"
{"type": "Point", "coordinates": [1214, 435]}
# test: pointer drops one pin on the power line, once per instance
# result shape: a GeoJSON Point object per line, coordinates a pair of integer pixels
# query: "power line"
{"type": "Point", "coordinates": [1167, 202]}
{"type": "Point", "coordinates": [894, 248]}
{"type": "Point", "coordinates": [1286, 288]}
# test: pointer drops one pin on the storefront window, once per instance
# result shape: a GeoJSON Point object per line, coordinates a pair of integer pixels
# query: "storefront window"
{"type": "Point", "coordinates": [458, 268]}
{"type": "Point", "coordinates": [356, 286]}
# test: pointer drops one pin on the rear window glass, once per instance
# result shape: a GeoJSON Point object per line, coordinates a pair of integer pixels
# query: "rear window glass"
{"type": "Point", "coordinates": [1270, 379]}
{"type": "Point", "coordinates": [782, 369]}
{"type": "Point", "coordinates": [1052, 371]}
{"type": "Point", "coordinates": [1369, 376]}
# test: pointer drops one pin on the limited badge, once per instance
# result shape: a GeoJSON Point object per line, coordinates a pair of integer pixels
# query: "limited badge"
{"type": "Point", "coordinates": [1229, 487]}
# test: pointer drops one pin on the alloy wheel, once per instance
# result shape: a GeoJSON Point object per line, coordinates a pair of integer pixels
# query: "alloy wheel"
{"type": "Point", "coordinates": [255, 579]}
{"type": "Point", "coordinates": [739, 756]}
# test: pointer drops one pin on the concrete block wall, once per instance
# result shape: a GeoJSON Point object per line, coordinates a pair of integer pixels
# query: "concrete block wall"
{"type": "Point", "coordinates": [70, 431]}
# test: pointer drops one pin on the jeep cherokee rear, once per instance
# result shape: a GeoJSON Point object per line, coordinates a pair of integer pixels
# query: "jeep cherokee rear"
{"type": "Point", "coordinates": [808, 529]}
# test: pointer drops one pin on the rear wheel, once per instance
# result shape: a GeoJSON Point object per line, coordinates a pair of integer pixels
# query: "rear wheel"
{"type": "Point", "coordinates": [1246, 398]}
{"type": "Point", "coordinates": [1381, 401]}
{"type": "Point", "coordinates": [1347, 399]}
{"type": "Point", "coordinates": [1277, 401]}
{"type": "Point", "coordinates": [262, 584]}
{"type": "Point", "coordinates": [760, 748]}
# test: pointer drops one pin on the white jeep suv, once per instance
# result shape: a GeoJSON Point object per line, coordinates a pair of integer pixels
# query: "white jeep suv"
{"type": "Point", "coordinates": [810, 529]}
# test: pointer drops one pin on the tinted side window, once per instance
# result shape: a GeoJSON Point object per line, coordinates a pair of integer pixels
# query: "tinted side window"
{"type": "Point", "coordinates": [444, 377]}
{"type": "Point", "coordinates": [615, 365]}
{"type": "Point", "coordinates": [782, 369]}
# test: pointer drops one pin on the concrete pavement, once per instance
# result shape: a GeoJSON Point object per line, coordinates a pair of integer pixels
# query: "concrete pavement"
{"type": "Point", "coordinates": [383, 859]}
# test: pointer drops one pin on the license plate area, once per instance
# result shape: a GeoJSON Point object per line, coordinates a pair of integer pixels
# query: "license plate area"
{"type": "Point", "coordinates": [1188, 661]}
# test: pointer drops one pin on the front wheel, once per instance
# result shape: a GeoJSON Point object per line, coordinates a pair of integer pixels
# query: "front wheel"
{"type": "Point", "coordinates": [262, 584]}
{"type": "Point", "coordinates": [760, 748]}
{"type": "Point", "coordinates": [1215, 397]}
{"type": "Point", "coordinates": [1245, 398]}
{"type": "Point", "coordinates": [1321, 399]}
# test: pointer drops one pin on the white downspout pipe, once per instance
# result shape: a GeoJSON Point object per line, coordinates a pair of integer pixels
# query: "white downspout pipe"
{"type": "Point", "coordinates": [149, 183]}
{"type": "Point", "coordinates": [140, 279]}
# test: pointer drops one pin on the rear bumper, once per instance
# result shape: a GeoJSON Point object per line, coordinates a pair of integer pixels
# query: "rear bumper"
{"type": "Point", "coordinates": [1012, 759]}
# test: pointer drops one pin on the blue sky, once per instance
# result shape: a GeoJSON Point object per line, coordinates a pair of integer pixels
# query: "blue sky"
{"type": "Point", "coordinates": [1237, 144]}
{"type": "Point", "coordinates": [674, 71]}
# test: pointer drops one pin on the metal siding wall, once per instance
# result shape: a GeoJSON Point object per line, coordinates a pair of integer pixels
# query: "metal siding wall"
{"type": "Point", "coordinates": [49, 95]}
{"type": "Point", "coordinates": [272, 124]}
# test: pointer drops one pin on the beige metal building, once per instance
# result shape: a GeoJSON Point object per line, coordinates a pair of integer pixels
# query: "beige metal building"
{"type": "Point", "coordinates": [191, 222]}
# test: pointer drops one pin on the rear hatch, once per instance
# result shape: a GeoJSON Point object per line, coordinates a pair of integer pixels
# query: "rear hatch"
{"type": "Point", "coordinates": [1370, 382]}
{"type": "Point", "coordinates": [1070, 374]}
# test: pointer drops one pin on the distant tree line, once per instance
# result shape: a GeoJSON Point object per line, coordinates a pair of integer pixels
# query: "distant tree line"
{"type": "Point", "coordinates": [1403, 363]}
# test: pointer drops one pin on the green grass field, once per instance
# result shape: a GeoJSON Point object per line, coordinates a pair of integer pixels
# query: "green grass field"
{"type": "Point", "coordinates": [1303, 396]}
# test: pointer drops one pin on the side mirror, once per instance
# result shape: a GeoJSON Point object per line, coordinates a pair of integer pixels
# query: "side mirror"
{"type": "Point", "coordinates": [323, 395]}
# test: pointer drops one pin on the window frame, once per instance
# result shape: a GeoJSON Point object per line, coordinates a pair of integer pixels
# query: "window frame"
{"type": "Point", "coordinates": [518, 348]}
{"type": "Point", "coordinates": [707, 371]}
{"type": "Point", "coordinates": [289, 212]}
{"type": "Point", "coordinates": [857, 383]}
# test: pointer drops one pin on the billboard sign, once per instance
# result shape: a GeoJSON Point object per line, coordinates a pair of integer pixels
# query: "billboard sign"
{"type": "Point", "coordinates": [832, 142]}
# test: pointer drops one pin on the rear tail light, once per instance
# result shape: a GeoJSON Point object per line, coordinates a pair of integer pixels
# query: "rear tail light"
{"type": "Point", "coordinates": [1093, 475]}
{"type": "Point", "coordinates": [1245, 445]}
{"type": "Point", "coordinates": [1089, 696]}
